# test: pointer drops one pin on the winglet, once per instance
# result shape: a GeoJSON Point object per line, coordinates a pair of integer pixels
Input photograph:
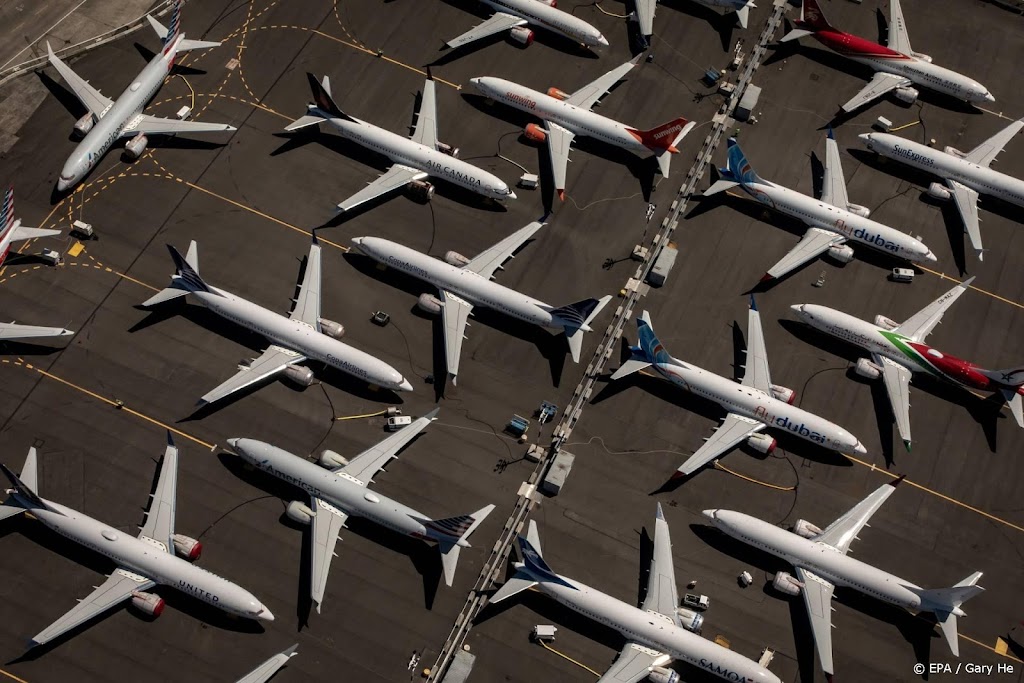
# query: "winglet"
{"type": "Point", "coordinates": [897, 481]}
{"type": "Point", "coordinates": [767, 277]}
{"type": "Point", "coordinates": [430, 76]}
{"type": "Point", "coordinates": [831, 134]}
{"type": "Point", "coordinates": [170, 439]}
{"type": "Point", "coordinates": [906, 444]}
{"type": "Point", "coordinates": [432, 415]}
{"type": "Point", "coordinates": [636, 60]}
{"type": "Point", "coordinates": [661, 515]}
{"type": "Point", "coordinates": [753, 303]}
{"type": "Point", "coordinates": [316, 242]}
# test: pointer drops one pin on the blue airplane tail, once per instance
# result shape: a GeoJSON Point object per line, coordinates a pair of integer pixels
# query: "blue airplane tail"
{"type": "Point", "coordinates": [535, 565]}
{"type": "Point", "coordinates": [649, 348]}
{"type": "Point", "coordinates": [739, 169]}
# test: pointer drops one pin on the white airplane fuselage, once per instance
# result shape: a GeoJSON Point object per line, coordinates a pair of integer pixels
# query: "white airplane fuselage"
{"type": "Point", "coordinates": [656, 631]}
{"type": "Point", "coordinates": [302, 338]}
{"type": "Point", "coordinates": [117, 118]}
{"type": "Point", "coordinates": [340, 490]}
{"type": "Point", "coordinates": [433, 162]}
{"type": "Point", "coordinates": [756, 405]}
{"type": "Point", "coordinates": [819, 558]}
{"type": "Point", "coordinates": [151, 560]}
{"type": "Point", "coordinates": [468, 285]}
{"type": "Point", "coordinates": [818, 214]}
{"type": "Point", "coordinates": [981, 179]}
{"type": "Point", "coordinates": [540, 13]}
{"type": "Point", "coordinates": [582, 122]}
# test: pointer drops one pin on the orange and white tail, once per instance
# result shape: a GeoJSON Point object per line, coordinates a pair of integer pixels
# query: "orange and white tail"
{"type": "Point", "coordinates": [664, 137]}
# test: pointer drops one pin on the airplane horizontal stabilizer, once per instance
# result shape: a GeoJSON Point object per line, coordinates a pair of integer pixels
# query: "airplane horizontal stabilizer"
{"type": "Point", "coordinates": [629, 367]}
{"type": "Point", "coordinates": [164, 295]}
{"type": "Point", "coordinates": [720, 186]}
{"type": "Point", "coordinates": [303, 122]}
{"type": "Point", "coordinates": [452, 534]}
{"type": "Point", "coordinates": [743, 16]}
{"type": "Point", "coordinates": [1013, 399]}
{"type": "Point", "coordinates": [185, 45]}
{"type": "Point", "coordinates": [576, 318]}
{"type": "Point", "coordinates": [517, 583]}
{"type": "Point", "coordinates": [795, 34]}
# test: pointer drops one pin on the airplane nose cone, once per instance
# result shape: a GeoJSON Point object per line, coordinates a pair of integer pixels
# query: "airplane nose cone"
{"type": "Point", "coordinates": [989, 98]}
{"type": "Point", "coordinates": [865, 137]}
{"type": "Point", "coordinates": [405, 385]}
{"type": "Point", "coordinates": [710, 514]}
{"type": "Point", "coordinates": [601, 40]}
{"type": "Point", "coordinates": [798, 308]}
{"type": "Point", "coordinates": [931, 257]}
{"type": "Point", "coordinates": [357, 242]}
{"type": "Point", "coordinates": [63, 185]}
{"type": "Point", "coordinates": [475, 82]}
{"type": "Point", "coordinates": [265, 615]}
{"type": "Point", "coordinates": [511, 194]}
{"type": "Point", "coordinates": [233, 442]}
{"type": "Point", "coordinates": [859, 449]}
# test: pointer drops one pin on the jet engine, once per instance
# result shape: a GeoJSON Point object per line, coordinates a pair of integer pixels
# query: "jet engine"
{"type": "Point", "coordinates": [456, 259]}
{"type": "Point", "coordinates": [136, 146]}
{"type": "Point", "coordinates": [331, 328]}
{"type": "Point", "coordinates": [867, 369]}
{"type": "Point", "coordinates": [522, 35]}
{"type": "Point", "coordinates": [938, 191]}
{"type": "Point", "coordinates": [783, 393]}
{"type": "Point", "coordinates": [429, 303]}
{"type": "Point", "coordinates": [550, 3]}
{"type": "Point", "coordinates": [299, 512]}
{"type": "Point", "coordinates": [661, 674]}
{"type": "Point", "coordinates": [690, 620]}
{"type": "Point", "coordinates": [762, 443]}
{"type": "Point", "coordinates": [887, 323]}
{"type": "Point", "coordinates": [534, 133]}
{"type": "Point", "coordinates": [843, 253]}
{"type": "Point", "coordinates": [85, 124]}
{"type": "Point", "coordinates": [805, 529]}
{"type": "Point", "coordinates": [300, 375]}
{"type": "Point", "coordinates": [785, 583]}
{"type": "Point", "coordinates": [448, 149]}
{"type": "Point", "coordinates": [332, 460]}
{"type": "Point", "coordinates": [187, 548]}
{"type": "Point", "coordinates": [557, 94]}
{"type": "Point", "coordinates": [147, 603]}
{"type": "Point", "coordinates": [906, 95]}
{"type": "Point", "coordinates": [948, 149]}
{"type": "Point", "coordinates": [861, 211]}
{"type": "Point", "coordinates": [421, 190]}
{"type": "Point", "coordinates": [922, 56]}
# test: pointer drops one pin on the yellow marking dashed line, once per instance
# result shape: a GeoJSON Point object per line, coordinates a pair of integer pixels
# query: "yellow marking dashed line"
{"type": "Point", "coordinates": [12, 676]}
{"type": "Point", "coordinates": [935, 493]}
{"type": "Point", "coordinates": [240, 100]}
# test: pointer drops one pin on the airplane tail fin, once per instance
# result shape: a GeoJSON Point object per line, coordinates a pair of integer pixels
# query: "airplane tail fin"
{"type": "Point", "coordinates": [185, 279]}
{"type": "Point", "coordinates": [665, 136]}
{"type": "Point", "coordinates": [1014, 377]}
{"type": "Point", "coordinates": [7, 212]}
{"type": "Point", "coordinates": [945, 603]}
{"type": "Point", "coordinates": [168, 34]}
{"type": "Point", "coordinates": [534, 568]}
{"type": "Point", "coordinates": [23, 496]}
{"type": "Point", "coordinates": [322, 102]}
{"type": "Point", "coordinates": [811, 16]}
{"type": "Point", "coordinates": [739, 169]}
{"type": "Point", "coordinates": [575, 319]}
{"type": "Point", "coordinates": [452, 534]}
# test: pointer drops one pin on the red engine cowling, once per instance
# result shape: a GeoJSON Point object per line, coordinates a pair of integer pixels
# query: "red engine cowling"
{"type": "Point", "coordinates": [549, 3]}
{"type": "Point", "coordinates": [534, 133]}
{"type": "Point", "coordinates": [187, 548]}
{"type": "Point", "coordinates": [521, 35]}
{"type": "Point", "coordinates": [762, 443]}
{"type": "Point", "coordinates": [147, 603]}
{"type": "Point", "coordinates": [783, 393]}
{"type": "Point", "coordinates": [558, 94]}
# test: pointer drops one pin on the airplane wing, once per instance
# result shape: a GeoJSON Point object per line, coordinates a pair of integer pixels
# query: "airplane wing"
{"type": "Point", "coordinates": [454, 316]}
{"type": "Point", "coordinates": [966, 201]}
{"type": "Point", "coordinates": [118, 587]}
{"type": "Point", "coordinates": [662, 595]}
{"type": "Point", "coordinates": [899, 39]}
{"type": "Point", "coordinates": [559, 144]}
{"type": "Point", "coordinates": [364, 466]}
{"type": "Point", "coordinates": [265, 671]}
{"type": "Point", "coordinates": [817, 593]}
{"type": "Point", "coordinates": [897, 385]}
{"type": "Point", "coordinates": [924, 321]}
{"type": "Point", "coordinates": [879, 84]}
{"type": "Point", "coordinates": [985, 153]}
{"type": "Point", "coordinates": [327, 523]}
{"type": "Point", "coordinates": [14, 331]}
{"type": "Point", "coordinates": [834, 188]}
{"type": "Point", "coordinates": [488, 261]}
{"type": "Point", "coordinates": [20, 234]}
{"type": "Point", "coordinates": [813, 244]}
{"type": "Point", "coordinates": [89, 96]}
{"type": "Point", "coordinates": [756, 373]}
{"type": "Point", "coordinates": [425, 131]}
{"type": "Point", "coordinates": [645, 10]}
{"type": "Point", "coordinates": [157, 125]}
{"type": "Point", "coordinates": [842, 532]}
{"type": "Point", "coordinates": [496, 24]}
{"type": "Point", "coordinates": [634, 663]}
{"type": "Point", "coordinates": [731, 433]}
{"type": "Point", "coordinates": [159, 524]}
{"type": "Point", "coordinates": [396, 177]}
{"type": "Point", "coordinates": [274, 360]}
{"type": "Point", "coordinates": [587, 96]}
{"type": "Point", "coordinates": [307, 305]}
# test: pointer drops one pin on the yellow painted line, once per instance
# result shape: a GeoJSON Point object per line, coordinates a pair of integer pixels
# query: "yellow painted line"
{"type": "Point", "coordinates": [567, 657]}
{"type": "Point", "coordinates": [1007, 655]}
{"type": "Point", "coordinates": [720, 466]}
{"type": "Point", "coordinates": [123, 408]}
{"type": "Point", "coordinates": [339, 418]}
{"type": "Point", "coordinates": [131, 279]}
{"type": "Point", "coordinates": [943, 276]}
{"type": "Point", "coordinates": [385, 58]}
{"type": "Point", "coordinates": [904, 126]}
{"type": "Point", "coordinates": [261, 214]}
{"type": "Point", "coordinates": [12, 676]}
{"type": "Point", "coordinates": [937, 494]}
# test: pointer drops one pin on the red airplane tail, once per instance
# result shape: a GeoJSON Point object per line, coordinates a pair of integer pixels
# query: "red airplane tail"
{"type": "Point", "coordinates": [811, 16]}
{"type": "Point", "coordinates": [662, 137]}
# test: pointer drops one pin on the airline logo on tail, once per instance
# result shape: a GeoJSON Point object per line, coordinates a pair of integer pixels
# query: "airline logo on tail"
{"type": "Point", "coordinates": [173, 27]}
{"type": "Point", "coordinates": [7, 213]}
{"type": "Point", "coordinates": [651, 346]}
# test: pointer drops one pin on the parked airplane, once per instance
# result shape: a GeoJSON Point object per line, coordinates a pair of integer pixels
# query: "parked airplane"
{"type": "Point", "coordinates": [515, 15]}
{"type": "Point", "coordinates": [109, 120]}
{"type": "Point", "coordinates": [821, 562]}
{"type": "Point", "coordinates": [654, 632]}
{"type": "Point", "coordinates": [416, 158]}
{"type": "Point", "coordinates": [464, 283]}
{"type": "Point", "coordinates": [898, 350]}
{"type": "Point", "coordinates": [340, 491]}
{"type": "Point", "coordinates": [897, 67]}
{"type": "Point", "coordinates": [832, 220]}
{"type": "Point", "coordinates": [645, 10]}
{"type": "Point", "coordinates": [301, 336]}
{"type": "Point", "coordinates": [965, 175]}
{"type": "Point", "coordinates": [566, 116]}
{"type": "Point", "coordinates": [754, 404]}
{"type": "Point", "coordinates": [11, 229]}
{"type": "Point", "coordinates": [153, 558]}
